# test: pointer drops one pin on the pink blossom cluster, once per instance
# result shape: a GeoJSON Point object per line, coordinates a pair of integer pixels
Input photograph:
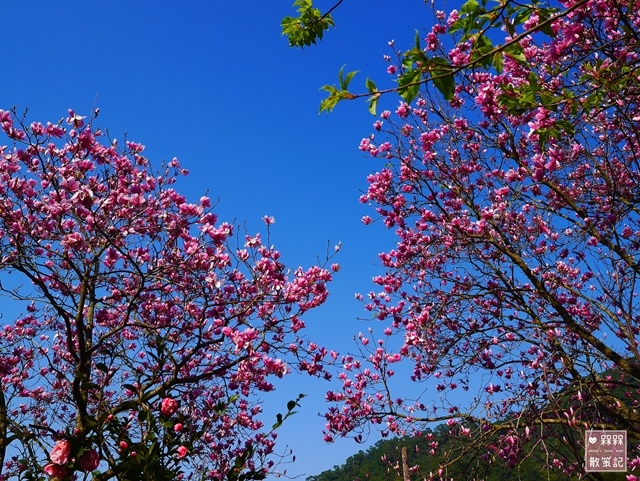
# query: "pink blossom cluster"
{"type": "Point", "coordinates": [512, 283]}
{"type": "Point", "coordinates": [152, 323]}
{"type": "Point", "coordinates": [61, 456]}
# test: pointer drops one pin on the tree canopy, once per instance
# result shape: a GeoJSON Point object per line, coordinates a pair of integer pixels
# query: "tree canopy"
{"type": "Point", "coordinates": [149, 330]}
{"type": "Point", "coordinates": [510, 174]}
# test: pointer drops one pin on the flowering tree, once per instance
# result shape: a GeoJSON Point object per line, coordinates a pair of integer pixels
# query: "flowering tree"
{"type": "Point", "coordinates": [511, 297]}
{"type": "Point", "coordinates": [148, 331]}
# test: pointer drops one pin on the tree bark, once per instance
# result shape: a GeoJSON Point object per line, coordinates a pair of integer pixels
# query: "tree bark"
{"type": "Point", "coordinates": [405, 465]}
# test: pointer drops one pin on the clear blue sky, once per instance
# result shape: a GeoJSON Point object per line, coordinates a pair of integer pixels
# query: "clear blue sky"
{"type": "Point", "coordinates": [215, 84]}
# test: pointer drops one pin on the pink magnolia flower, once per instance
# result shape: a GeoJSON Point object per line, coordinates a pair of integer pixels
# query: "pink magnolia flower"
{"type": "Point", "coordinates": [55, 470]}
{"type": "Point", "coordinates": [177, 427]}
{"type": "Point", "coordinates": [169, 406]}
{"type": "Point", "coordinates": [89, 460]}
{"type": "Point", "coordinates": [61, 452]}
{"type": "Point", "coordinates": [182, 451]}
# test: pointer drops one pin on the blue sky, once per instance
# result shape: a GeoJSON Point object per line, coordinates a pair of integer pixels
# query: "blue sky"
{"type": "Point", "coordinates": [216, 85]}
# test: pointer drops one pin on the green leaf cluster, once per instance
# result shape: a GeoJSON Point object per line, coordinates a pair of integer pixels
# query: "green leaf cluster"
{"type": "Point", "coordinates": [419, 68]}
{"type": "Point", "coordinates": [336, 94]}
{"type": "Point", "coordinates": [476, 21]}
{"type": "Point", "coordinates": [308, 27]}
{"type": "Point", "coordinates": [291, 405]}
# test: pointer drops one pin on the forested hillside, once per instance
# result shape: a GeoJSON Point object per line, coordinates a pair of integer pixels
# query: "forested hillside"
{"type": "Point", "coordinates": [383, 462]}
{"type": "Point", "coordinates": [442, 445]}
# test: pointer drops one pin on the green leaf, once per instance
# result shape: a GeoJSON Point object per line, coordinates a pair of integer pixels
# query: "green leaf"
{"type": "Point", "coordinates": [442, 77]}
{"type": "Point", "coordinates": [566, 128]}
{"type": "Point", "coordinates": [481, 20]}
{"type": "Point", "coordinates": [544, 14]}
{"type": "Point", "coordinates": [130, 387]}
{"type": "Point", "coordinates": [291, 405]}
{"type": "Point", "coordinates": [460, 24]}
{"type": "Point", "coordinates": [328, 104]}
{"type": "Point", "coordinates": [482, 47]}
{"type": "Point", "coordinates": [515, 51]}
{"type": "Point", "coordinates": [373, 99]}
{"type": "Point", "coordinates": [446, 85]}
{"type": "Point", "coordinates": [471, 6]}
{"type": "Point", "coordinates": [336, 95]}
{"type": "Point", "coordinates": [497, 61]}
{"type": "Point", "coordinates": [409, 84]}
{"type": "Point", "coordinates": [278, 422]}
{"type": "Point", "coordinates": [510, 28]}
{"type": "Point", "coordinates": [522, 16]}
{"type": "Point", "coordinates": [345, 81]}
{"type": "Point", "coordinates": [371, 86]}
{"type": "Point", "coordinates": [153, 450]}
{"type": "Point", "coordinates": [331, 101]}
{"type": "Point", "coordinates": [102, 367]}
{"type": "Point", "coordinates": [440, 63]}
{"type": "Point", "coordinates": [373, 103]}
{"type": "Point", "coordinates": [253, 475]}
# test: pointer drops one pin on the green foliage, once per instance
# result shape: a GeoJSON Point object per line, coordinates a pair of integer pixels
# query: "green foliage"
{"type": "Point", "coordinates": [291, 405]}
{"type": "Point", "coordinates": [515, 51]}
{"type": "Point", "coordinates": [409, 84]}
{"type": "Point", "coordinates": [308, 27]}
{"type": "Point", "coordinates": [441, 74]}
{"type": "Point", "coordinates": [418, 68]}
{"type": "Point", "coordinates": [477, 22]}
{"type": "Point", "coordinates": [379, 462]}
{"type": "Point", "coordinates": [375, 96]}
{"type": "Point", "coordinates": [335, 94]}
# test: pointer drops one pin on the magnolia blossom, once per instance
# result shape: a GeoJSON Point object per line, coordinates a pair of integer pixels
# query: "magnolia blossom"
{"type": "Point", "coordinates": [168, 406]}
{"type": "Point", "coordinates": [182, 451]}
{"type": "Point", "coordinates": [89, 460]}
{"type": "Point", "coordinates": [55, 470]}
{"type": "Point", "coordinates": [61, 452]}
